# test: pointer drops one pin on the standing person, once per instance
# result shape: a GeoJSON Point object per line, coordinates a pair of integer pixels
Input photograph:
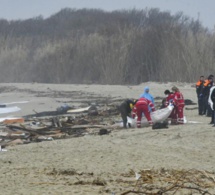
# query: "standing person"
{"type": "Point", "coordinates": [211, 102]}
{"type": "Point", "coordinates": [199, 90]}
{"type": "Point", "coordinates": [125, 109]}
{"type": "Point", "coordinates": [178, 102]}
{"type": "Point", "coordinates": [169, 100]}
{"type": "Point", "coordinates": [206, 91]}
{"type": "Point", "coordinates": [148, 96]}
{"type": "Point", "coordinates": [142, 107]}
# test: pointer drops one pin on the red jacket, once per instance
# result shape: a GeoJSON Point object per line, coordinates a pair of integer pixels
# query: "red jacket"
{"type": "Point", "coordinates": [169, 99]}
{"type": "Point", "coordinates": [144, 101]}
{"type": "Point", "coordinates": [178, 99]}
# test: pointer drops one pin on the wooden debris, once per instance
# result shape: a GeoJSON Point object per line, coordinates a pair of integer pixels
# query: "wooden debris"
{"type": "Point", "coordinates": [79, 110]}
{"type": "Point", "coordinates": [163, 181]}
{"type": "Point", "coordinates": [47, 126]}
{"type": "Point", "coordinates": [14, 142]}
{"type": "Point", "coordinates": [15, 120]}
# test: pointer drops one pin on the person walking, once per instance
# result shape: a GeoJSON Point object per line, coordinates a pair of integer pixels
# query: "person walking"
{"type": "Point", "coordinates": [142, 107]}
{"type": "Point", "coordinates": [178, 102]}
{"type": "Point", "coordinates": [199, 90]}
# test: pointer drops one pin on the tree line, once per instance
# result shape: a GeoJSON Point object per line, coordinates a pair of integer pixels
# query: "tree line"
{"type": "Point", "coordinates": [93, 46]}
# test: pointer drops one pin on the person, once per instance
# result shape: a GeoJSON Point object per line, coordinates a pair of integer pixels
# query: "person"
{"type": "Point", "coordinates": [142, 107]}
{"type": "Point", "coordinates": [148, 96]}
{"type": "Point", "coordinates": [178, 102]}
{"type": "Point", "coordinates": [199, 90]}
{"type": "Point", "coordinates": [169, 100]}
{"type": "Point", "coordinates": [125, 109]}
{"type": "Point", "coordinates": [205, 91]}
{"type": "Point", "coordinates": [211, 102]}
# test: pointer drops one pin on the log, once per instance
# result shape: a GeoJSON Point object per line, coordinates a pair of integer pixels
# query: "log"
{"type": "Point", "coordinates": [87, 126]}
{"type": "Point", "coordinates": [12, 121]}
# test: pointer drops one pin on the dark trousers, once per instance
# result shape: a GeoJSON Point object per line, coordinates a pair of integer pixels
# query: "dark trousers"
{"type": "Point", "coordinates": [124, 113]}
{"type": "Point", "coordinates": [205, 103]}
{"type": "Point", "coordinates": [201, 105]}
{"type": "Point", "coordinates": [207, 109]}
{"type": "Point", "coordinates": [212, 117]}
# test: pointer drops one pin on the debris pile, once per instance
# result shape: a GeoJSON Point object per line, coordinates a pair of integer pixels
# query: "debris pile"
{"type": "Point", "coordinates": [60, 124]}
{"type": "Point", "coordinates": [146, 182]}
{"type": "Point", "coordinates": [172, 182]}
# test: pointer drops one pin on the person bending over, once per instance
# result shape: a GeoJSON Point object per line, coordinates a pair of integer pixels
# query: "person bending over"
{"type": "Point", "coordinates": [125, 109]}
{"type": "Point", "coordinates": [142, 107]}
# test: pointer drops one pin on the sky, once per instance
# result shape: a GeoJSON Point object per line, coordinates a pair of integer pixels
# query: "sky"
{"type": "Point", "coordinates": [25, 9]}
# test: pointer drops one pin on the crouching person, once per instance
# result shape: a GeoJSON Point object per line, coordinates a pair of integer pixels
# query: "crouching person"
{"type": "Point", "coordinates": [125, 109]}
{"type": "Point", "coordinates": [142, 107]}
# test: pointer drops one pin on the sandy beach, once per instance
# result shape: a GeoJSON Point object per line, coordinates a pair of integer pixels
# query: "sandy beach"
{"type": "Point", "coordinates": [95, 164]}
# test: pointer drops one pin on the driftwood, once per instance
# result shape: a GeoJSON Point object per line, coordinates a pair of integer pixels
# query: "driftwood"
{"type": "Point", "coordinates": [86, 126]}
{"type": "Point", "coordinates": [154, 182]}
{"type": "Point", "coordinates": [46, 113]}
{"type": "Point", "coordinates": [15, 135]}
{"type": "Point", "coordinates": [50, 129]}
{"type": "Point", "coordinates": [14, 142]}
{"type": "Point", "coordinates": [45, 126]}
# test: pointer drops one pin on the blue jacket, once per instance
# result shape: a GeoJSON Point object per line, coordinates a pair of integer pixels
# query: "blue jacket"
{"type": "Point", "coordinates": [147, 95]}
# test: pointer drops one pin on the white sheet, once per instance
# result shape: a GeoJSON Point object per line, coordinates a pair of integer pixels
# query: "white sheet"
{"type": "Point", "coordinates": [9, 109]}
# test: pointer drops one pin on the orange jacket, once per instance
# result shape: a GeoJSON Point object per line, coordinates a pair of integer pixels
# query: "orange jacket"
{"type": "Point", "coordinates": [206, 87]}
{"type": "Point", "coordinates": [199, 87]}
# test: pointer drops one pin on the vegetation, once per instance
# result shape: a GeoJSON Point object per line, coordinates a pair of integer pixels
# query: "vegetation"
{"type": "Point", "coordinates": [94, 46]}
